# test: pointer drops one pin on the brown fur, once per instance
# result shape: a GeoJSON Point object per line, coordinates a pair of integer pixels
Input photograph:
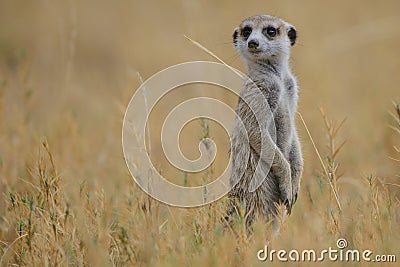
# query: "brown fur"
{"type": "Point", "coordinates": [270, 83]}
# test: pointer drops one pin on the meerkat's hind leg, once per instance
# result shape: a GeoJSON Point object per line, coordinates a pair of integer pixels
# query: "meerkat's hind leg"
{"type": "Point", "coordinates": [235, 211]}
{"type": "Point", "coordinates": [231, 209]}
{"type": "Point", "coordinates": [278, 221]}
{"type": "Point", "coordinates": [250, 216]}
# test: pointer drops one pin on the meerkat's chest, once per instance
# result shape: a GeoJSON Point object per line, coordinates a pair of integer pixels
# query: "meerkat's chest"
{"type": "Point", "coordinates": [284, 116]}
{"type": "Point", "coordinates": [283, 119]}
{"type": "Point", "coordinates": [290, 94]}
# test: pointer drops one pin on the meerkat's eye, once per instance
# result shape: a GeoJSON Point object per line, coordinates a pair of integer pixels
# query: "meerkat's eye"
{"type": "Point", "coordinates": [246, 31]}
{"type": "Point", "coordinates": [270, 31]}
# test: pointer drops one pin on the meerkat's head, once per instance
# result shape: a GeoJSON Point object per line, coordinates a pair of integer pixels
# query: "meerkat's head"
{"type": "Point", "coordinates": [264, 37]}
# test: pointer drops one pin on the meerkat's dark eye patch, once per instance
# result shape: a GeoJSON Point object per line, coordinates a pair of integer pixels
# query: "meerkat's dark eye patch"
{"type": "Point", "coordinates": [246, 31]}
{"type": "Point", "coordinates": [270, 31]}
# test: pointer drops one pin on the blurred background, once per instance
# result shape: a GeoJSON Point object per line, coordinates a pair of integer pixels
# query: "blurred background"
{"type": "Point", "coordinates": [69, 68]}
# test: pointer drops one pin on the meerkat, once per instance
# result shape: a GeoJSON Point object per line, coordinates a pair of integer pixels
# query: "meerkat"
{"type": "Point", "coordinates": [263, 43]}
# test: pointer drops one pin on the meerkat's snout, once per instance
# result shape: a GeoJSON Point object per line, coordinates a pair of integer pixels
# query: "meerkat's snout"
{"type": "Point", "coordinates": [252, 44]}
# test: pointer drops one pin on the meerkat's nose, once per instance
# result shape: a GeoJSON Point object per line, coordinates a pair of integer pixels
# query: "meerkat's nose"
{"type": "Point", "coordinates": [252, 44]}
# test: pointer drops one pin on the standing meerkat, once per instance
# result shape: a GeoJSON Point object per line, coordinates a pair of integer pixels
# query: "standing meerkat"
{"type": "Point", "coordinates": [263, 42]}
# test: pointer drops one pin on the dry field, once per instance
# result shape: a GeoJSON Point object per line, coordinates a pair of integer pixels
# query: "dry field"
{"type": "Point", "coordinates": [67, 72]}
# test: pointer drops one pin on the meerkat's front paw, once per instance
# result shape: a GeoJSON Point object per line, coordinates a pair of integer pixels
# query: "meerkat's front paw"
{"type": "Point", "coordinates": [296, 190]}
{"type": "Point", "coordinates": [286, 195]}
{"type": "Point", "coordinates": [287, 198]}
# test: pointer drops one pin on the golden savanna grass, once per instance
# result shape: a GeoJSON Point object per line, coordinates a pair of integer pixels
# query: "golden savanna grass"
{"type": "Point", "coordinates": [67, 72]}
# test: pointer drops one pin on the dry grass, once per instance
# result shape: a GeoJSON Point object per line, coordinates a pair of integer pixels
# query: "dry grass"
{"type": "Point", "coordinates": [67, 71]}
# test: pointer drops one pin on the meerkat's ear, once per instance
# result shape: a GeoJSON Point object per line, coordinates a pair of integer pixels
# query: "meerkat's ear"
{"type": "Point", "coordinates": [292, 34]}
{"type": "Point", "coordinates": [235, 35]}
